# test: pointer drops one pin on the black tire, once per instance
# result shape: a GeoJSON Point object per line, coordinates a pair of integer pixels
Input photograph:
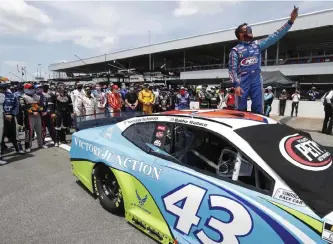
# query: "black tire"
{"type": "Point", "coordinates": [108, 190]}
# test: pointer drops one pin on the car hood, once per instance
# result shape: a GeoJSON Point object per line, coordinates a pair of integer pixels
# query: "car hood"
{"type": "Point", "coordinates": [304, 165]}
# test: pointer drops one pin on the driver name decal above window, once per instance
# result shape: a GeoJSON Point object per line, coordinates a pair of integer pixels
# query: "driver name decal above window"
{"type": "Point", "coordinates": [305, 153]}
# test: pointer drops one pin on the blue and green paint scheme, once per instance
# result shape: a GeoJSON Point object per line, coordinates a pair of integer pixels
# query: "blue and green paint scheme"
{"type": "Point", "coordinates": [147, 182]}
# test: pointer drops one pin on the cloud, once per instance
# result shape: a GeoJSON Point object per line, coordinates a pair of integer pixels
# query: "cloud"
{"type": "Point", "coordinates": [93, 39]}
{"type": "Point", "coordinates": [17, 16]}
{"type": "Point", "coordinates": [188, 8]}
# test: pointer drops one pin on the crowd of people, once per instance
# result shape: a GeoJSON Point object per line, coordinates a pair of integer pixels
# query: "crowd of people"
{"type": "Point", "coordinates": [40, 108]}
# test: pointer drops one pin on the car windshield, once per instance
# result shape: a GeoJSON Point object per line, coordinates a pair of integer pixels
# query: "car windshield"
{"type": "Point", "coordinates": [304, 165]}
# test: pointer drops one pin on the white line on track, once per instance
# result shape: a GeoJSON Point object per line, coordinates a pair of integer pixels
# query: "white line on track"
{"type": "Point", "coordinates": [63, 146]}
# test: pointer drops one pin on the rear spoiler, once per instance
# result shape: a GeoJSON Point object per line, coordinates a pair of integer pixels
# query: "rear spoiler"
{"type": "Point", "coordinates": [90, 121]}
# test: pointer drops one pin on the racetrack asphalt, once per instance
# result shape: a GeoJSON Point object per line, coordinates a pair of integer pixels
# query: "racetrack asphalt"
{"type": "Point", "coordinates": [42, 202]}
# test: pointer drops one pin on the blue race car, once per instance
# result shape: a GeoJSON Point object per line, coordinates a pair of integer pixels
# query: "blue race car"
{"type": "Point", "coordinates": [210, 177]}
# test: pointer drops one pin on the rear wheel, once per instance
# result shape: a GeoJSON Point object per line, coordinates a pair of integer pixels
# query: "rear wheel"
{"type": "Point", "coordinates": [108, 190]}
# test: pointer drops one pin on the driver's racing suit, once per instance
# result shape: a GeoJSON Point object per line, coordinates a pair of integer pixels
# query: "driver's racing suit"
{"type": "Point", "coordinates": [245, 68]}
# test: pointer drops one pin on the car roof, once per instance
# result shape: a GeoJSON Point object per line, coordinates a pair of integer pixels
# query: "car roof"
{"type": "Point", "coordinates": [231, 118]}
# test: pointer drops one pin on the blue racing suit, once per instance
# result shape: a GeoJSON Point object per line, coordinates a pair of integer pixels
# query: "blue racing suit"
{"type": "Point", "coordinates": [245, 68]}
{"type": "Point", "coordinates": [183, 102]}
{"type": "Point", "coordinates": [10, 108]}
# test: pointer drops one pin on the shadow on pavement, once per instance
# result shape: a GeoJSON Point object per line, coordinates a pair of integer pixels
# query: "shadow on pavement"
{"type": "Point", "coordinates": [17, 157]}
{"type": "Point", "coordinates": [85, 189]}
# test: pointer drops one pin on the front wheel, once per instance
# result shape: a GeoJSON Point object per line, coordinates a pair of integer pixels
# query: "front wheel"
{"type": "Point", "coordinates": [108, 190]}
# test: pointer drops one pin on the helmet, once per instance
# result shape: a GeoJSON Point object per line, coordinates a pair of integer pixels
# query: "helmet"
{"type": "Point", "coordinates": [115, 87]}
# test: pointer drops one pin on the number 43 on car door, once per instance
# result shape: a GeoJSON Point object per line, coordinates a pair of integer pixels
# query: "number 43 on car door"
{"type": "Point", "coordinates": [184, 204]}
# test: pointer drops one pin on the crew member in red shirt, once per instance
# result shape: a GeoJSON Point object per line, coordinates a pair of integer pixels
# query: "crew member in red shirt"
{"type": "Point", "coordinates": [230, 99]}
{"type": "Point", "coordinates": [114, 100]}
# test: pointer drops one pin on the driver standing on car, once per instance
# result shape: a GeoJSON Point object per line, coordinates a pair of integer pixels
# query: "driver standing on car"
{"type": "Point", "coordinates": [245, 64]}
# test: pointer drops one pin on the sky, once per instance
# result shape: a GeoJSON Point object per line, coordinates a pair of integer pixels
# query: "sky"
{"type": "Point", "coordinates": [46, 32]}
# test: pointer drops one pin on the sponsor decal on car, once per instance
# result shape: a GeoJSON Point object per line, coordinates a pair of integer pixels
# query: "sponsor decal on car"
{"type": "Point", "coordinates": [249, 61]}
{"type": "Point", "coordinates": [305, 153]}
{"type": "Point", "coordinates": [157, 143]}
{"type": "Point", "coordinates": [189, 122]}
{"type": "Point", "coordinates": [288, 196]}
{"type": "Point", "coordinates": [140, 120]}
{"type": "Point", "coordinates": [327, 234]}
{"type": "Point", "coordinates": [159, 134]}
{"type": "Point", "coordinates": [115, 159]}
{"type": "Point", "coordinates": [141, 201]}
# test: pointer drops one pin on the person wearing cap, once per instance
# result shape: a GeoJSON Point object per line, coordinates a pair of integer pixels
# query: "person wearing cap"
{"type": "Point", "coordinates": [295, 101]}
{"type": "Point", "coordinates": [115, 102]}
{"type": "Point", "coordinates": [268, 100]}
{"type": "Point", "coordinates": [283, 100]}
{"type": "Point", "coordinates": [146, 98]}
{"type": "Point", "coordinates": [32, 116]}
{"type": "Point", "coordinates": [230, 98]}
{"type": "Point", "coordinates": [10, 109]}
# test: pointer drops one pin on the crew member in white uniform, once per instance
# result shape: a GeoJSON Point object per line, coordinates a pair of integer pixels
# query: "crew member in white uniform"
{"type": "Point", "coordinates": [76, 95]}
{"type": "Point", "coordinates": [100, 97]}
{"type": "Point", "coordinates": [89, 105]}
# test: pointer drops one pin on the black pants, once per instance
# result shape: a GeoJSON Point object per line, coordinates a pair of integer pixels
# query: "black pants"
{"type": "Point", "coordinates": [47, 123]}
{"type": "Point", "coordinates": [294, 106]}
{"type": "Point", "coordinates": [328, 120]}
{"type": "Point", "coordinates": [10, 132]}
{"type": "Point", "coordinates": [282, 107]}
{"type": "Point", "coordinates": [63, 120]}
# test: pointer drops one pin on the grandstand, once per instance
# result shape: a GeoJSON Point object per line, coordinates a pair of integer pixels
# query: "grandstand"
{"type": "Point", "coordinates": [305, 54]}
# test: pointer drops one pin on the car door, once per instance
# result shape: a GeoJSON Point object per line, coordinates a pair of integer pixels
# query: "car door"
{"type": "Point", "coordinates": [201, 206]}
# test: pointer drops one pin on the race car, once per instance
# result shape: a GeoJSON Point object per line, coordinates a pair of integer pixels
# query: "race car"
{"type": "Point", "coordinates": [211, 176]}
